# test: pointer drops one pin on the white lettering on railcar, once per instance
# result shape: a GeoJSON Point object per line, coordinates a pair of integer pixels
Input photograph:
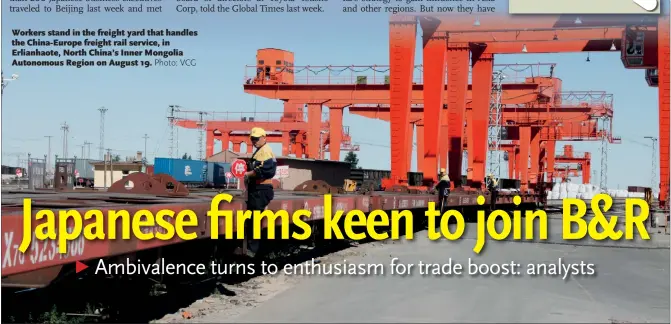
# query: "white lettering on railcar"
{"type": "Point", "coordinates": [318, 211]}
{"type": "Point", "coordinates": [40, 251]}
{"type": "Point", "coordinates": [154, 230]}
{"type": "Point", "coordinates": [341, 206]}
{"type": "Point", "coordinates": [12, 255]}
{"type": "Point", "coordinates": [418, 203]}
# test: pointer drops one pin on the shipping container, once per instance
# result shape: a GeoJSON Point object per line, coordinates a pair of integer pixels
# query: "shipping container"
{"type": "Point", "coordinates": [12, 170]}
{"type": "Point", "coordinates": [509, 184]}
{"type": "Point", "coordinates": [149, 170]}
{"type": "Point", "coordinates": [415, 178]}
{"type": "Point", "coordinates": [211, 174]}
{"type": "Point", "coordinates": [184, 171]}
{"type": "Point", "coordinates": [636, 189]}
{"type": "Point", "coordinates": [369, 175]}
{"type": "Point", "coordinates": [84, 168]}
{"type": "Point", "coordinates": [216, 175]}
{"type": "Point", "coordinates": [356, 175]}
{"type": "Point", "coordinates": [376, 176]}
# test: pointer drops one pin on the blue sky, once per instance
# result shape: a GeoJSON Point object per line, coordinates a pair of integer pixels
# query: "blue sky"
{"type": "Point", "coordinates": [138, 98]}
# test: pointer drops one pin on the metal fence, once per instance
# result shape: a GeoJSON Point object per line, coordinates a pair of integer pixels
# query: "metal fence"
{"type": "Point", "coordinates": [37, 173]}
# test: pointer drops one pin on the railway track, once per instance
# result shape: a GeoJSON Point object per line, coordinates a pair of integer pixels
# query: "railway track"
{"type": "Point", "coordinates": [96, 298]}
{"type": "Point", "coordinates": [52, 281]}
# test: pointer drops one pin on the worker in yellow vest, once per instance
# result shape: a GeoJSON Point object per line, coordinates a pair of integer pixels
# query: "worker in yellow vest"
{"type": "Point", "coordinates": [493, 187]}
{"type": "Point", "coordinates": [443, 188]}
{"type": "Point", "coordinates": [259, 183]}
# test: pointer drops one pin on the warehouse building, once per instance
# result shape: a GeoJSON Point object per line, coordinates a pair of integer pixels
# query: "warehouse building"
{"type": "Point", "coordinates": [105, 174]}
{"type": "Point", "coordinates": [224, 157]}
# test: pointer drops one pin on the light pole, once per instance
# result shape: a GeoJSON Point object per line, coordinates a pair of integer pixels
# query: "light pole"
{"type": "Point", "coordinates": [48, 152]}
{"type": "Point", "coordinates": [5, 82]}
{"type": "Point", "coordinates": [653, 171]}
{"type": "Point", "coordinates": [144, 155]}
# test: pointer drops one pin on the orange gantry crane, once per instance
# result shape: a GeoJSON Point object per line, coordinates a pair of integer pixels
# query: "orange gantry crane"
{"type": "Point", "coordinates": [571, 116]}
{"type": "Point", "coordinates": [233, 127]}
{"type": "Point", "coordinates": [584, 162]}
{"type": "Point", "coordinates": [296, 145]}
{"type": "Point", "coordinates": [568, 131]}
{"type": "Point", "coordinates": [524, 84]}
{"type": "Point", "coordinates": [275, 76]}
{"type": "Point", "coordinates": [643, 43]}
{"type": "Point", "coordinates": [535, 126]}
{"type": "Point", "coordinates": [564, 172]}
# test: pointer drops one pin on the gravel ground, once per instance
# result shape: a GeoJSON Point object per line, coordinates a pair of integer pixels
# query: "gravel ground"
{"type": "Point", "coordinates": [630, 284]}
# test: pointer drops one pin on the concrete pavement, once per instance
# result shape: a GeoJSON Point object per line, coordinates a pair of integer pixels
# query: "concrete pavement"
{"type": "Point", "coordinates": [630, 284]}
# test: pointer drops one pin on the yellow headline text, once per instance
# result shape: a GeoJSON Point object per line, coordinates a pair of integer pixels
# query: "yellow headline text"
{"type": "Point", "coordinates": [337, 224]}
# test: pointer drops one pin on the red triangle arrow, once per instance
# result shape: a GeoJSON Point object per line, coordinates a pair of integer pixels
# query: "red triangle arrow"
{"type": "Point", "coordinates": [79, 267]}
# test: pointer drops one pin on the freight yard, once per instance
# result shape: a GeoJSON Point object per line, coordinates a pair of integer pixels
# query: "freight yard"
{"type": "Point", "coordinates": [518, 122]}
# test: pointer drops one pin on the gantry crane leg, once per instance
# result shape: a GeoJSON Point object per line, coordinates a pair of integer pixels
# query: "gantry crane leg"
{"type": "Point", "coordinates": [586, 171]}
{"type": "Point", "coordinates": [434, 61]}
{"type": "Point", "coordinates": [314, 126]}
{"type": "Point", "coordinates": [335, 131]}
{"type": "Point", "coordinates": [512, 155]}
{"type": "Point", "coordinates": [523, 165]}
{"type": "Point", "coordinates": [550, 148]}
{"type": "Point", "coordinates": [408, 145]}
{"type": "Point", "coordinates": [209, 143]}
{"type": "Point", "coordinates": [457, 87]}
{"type": "Point", "coordinates": [469, 143]}
{"type": "Point", "coordinates": [535, 156]}
{"type": "Point", "coordinates": [443, 147]}
{"type": "Point", "coordinates": [664, 100]}
{"type": "Point", "coordinates": [420, 149]}
{"type": "Point", "coordinates": [286, 141]}
{"type": "Point", "coordinates": [518, 159]}
{"type": "Point", "coordinates": [402, 39]}
{"type": "Point", "coordinates": [541, 168]}
{"type": "Point", "coordinates": [483, 66]}
{"type": "Point", "coordinates": [293, 112]}
{"type": "Point", "coordinates": [225, 141]}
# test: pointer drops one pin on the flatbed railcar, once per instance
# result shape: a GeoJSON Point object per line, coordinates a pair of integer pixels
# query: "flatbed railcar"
{"type": "Point", "coordinates": [375, 176]}
{"type": "Point", "coordinates": [42, 263]}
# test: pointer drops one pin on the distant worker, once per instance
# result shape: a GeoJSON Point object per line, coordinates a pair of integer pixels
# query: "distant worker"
{"type": "Point", "coordinates": [443, 188]}
{"type": "Point", "coordinates": [493, 187]}
{"type": "Point", "coordinates": [258, 179]}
